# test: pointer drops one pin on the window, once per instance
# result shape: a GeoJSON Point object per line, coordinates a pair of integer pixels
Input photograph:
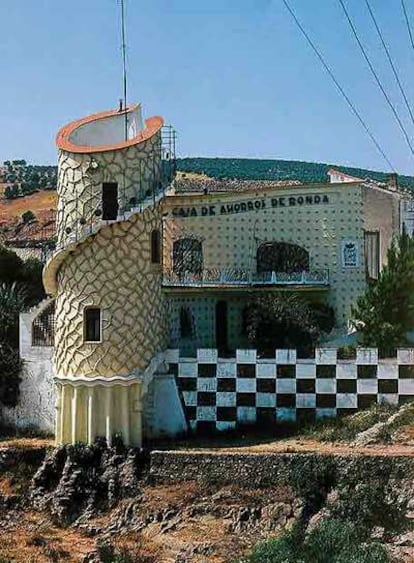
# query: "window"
{"type": "Point", "coordinates": [372, 254]}
{"type": "Point", "coordinates": [155, 247]}
{"type": "Point", "coordinates": [282, 257]}
{"type": "Point", "coordinates": [92, 324]}
{"type": "Point", "coordinates": [187, 256]}
{"type": "Point", "coordinates": [109, 200]}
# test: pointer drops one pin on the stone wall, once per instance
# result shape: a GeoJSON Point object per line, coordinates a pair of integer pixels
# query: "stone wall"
{"type": "Point", "coordinates": [266, 469]}
{"type": "Point", "coordinates": [219, 393]}
{"type": "Point", "coordinates": [36, 406]}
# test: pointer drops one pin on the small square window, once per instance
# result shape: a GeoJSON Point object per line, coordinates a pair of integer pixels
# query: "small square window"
{"type": "Point", "coordinates": [92, 324]}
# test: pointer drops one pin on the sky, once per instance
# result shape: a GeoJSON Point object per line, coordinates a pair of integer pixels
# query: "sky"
{"type": "Point", "coordinates": [234, 77]}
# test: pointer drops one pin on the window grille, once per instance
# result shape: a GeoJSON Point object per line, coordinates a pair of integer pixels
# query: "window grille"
{"type": "Point", "coordinates": [43, 327]}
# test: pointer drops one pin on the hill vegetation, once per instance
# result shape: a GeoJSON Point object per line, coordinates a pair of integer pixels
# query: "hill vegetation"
{"type": "Point", "coordinates": [261, 169]}
{"type": "Point", "coordinates": [23, 179]}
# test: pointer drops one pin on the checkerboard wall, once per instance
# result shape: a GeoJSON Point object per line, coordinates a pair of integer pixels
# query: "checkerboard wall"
{"type": "Point", "coordinates": [219, 393]}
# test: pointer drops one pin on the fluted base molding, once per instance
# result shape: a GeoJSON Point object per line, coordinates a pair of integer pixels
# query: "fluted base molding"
{"type": "Point", "coordinates": [88, 408]}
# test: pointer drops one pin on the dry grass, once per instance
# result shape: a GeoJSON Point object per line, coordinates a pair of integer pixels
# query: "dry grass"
{"type": "Point", "coordinates": [39, 203]}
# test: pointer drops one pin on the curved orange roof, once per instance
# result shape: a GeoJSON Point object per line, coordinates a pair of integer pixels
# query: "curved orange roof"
{"type": "Point", "coordinates": [152, 126]}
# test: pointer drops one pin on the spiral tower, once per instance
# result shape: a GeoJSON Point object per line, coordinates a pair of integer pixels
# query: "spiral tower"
{"type": "Point", "coordinates": [106, 274]}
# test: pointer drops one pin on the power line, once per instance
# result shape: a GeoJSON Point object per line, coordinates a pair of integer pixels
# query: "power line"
{"type": "Point", "coordinates": [378, 81]}
{"type": "Point", "coordinates": [338, 86]}
{"type": "Point", "coordinates": [407, 21]}
{"type": "Point", "coordinates": [387, 52]}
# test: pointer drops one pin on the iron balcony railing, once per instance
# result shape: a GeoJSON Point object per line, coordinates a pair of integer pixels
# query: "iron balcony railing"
{"type": "Point", "coordinates": [232, 277]}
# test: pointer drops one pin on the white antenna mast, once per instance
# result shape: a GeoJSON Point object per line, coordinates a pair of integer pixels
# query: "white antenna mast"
{"type": "Point", "coordinates": [124, 69]}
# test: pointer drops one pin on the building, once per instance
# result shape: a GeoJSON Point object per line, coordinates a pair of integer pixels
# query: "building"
{"type": "Point", "coordinates": [146, 261]}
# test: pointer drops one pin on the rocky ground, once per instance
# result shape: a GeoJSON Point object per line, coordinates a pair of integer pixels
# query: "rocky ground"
{"type": "Point", "coordinates": [98, 505]}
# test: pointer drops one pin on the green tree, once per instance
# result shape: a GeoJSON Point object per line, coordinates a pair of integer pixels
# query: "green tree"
{"type": "Point", "coordinates": [32, 280]}
{"type": "Point", "coordinates": [13, 299]}
{"type": "Point", "coordinates": [385, 313]}
{"type": "Point", "coordinates": [11, 266]}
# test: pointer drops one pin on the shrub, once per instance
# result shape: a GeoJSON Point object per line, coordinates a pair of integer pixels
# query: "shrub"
{"type": "Point", "coordinates": [373, 504]}
{"type": "Point", "coordinates": [280, 320]}
{"type": "Point", "coordinates": [11, 266]}
{"type": "Point", "coordinates": [333, 541]}
{"type": "Point", "coordinates": [12, 301]}
{"type": "Point", "coordinates": [336, 541]}
{"type": "Point", "coordinates": [10, 366]}
{"type": "Point", "coordinates": [28, 216]}
{"type": "Point", "coordinates": [284, 550]}
{"type": "Point", "coordinates": [323, 316]}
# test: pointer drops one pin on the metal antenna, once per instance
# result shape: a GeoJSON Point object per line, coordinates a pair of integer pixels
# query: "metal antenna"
{"type": "Point", "coordinates": [124, 70]}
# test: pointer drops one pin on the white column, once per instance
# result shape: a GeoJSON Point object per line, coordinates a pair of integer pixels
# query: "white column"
{"type": "Point", "coordinates": [125, 415]}
{"type": "Point", "coordinates": [91, 415]}
{"type": "Point", "coordinates": [74, 415]}
{"type": "Point", "coordinates": [108, 416]}
{"type": "Point", "coordinates": [65, 430]}
{"type": "Point", "coordinates": [58, 412]}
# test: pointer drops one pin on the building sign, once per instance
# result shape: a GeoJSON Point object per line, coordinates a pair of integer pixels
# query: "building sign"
{"type": "Point", "coordinates": [250, 205]}
{"type": "Point", "coordinates": [350, 254]}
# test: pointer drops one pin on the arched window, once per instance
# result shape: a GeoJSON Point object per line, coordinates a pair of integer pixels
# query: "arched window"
{"type": "Point", "coordinates": [187, 256]}
{"type": "Point", "coordinates": [282, 257]}
{"type": "Point", "coordinates": [155, 247]}
{"type": "Point", "coordinates": [186, 323]}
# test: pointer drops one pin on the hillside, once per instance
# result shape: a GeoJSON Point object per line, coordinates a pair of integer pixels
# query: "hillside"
{"type": "Point", "coordinates": [25, 187]}
{"type": "Point", "coordinates": [260, 169]}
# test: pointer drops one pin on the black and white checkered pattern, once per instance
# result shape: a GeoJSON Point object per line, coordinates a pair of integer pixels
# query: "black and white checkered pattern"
{"type": "Point", "coordinates": [220, 393]}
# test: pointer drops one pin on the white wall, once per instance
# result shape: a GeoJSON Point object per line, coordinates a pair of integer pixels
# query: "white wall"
{"type": "Point", "coordinates": [36, 407]}
{"type": "Point", "coordinates": [108, 130]}
{"type": "Point", "coordinates": [163, 411]}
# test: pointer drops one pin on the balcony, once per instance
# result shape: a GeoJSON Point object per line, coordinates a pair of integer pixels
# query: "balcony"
{"type": "Point", "coordinates": [232, 278]}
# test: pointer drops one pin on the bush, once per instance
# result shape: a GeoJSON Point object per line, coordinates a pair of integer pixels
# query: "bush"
{"type": "Point", "coordinates": [336, 541]}
{"type": "Point", "coordinates": [10, 366]}
{"type": "Point", "coordinates": [281, 320]}
{"type": "Point", "coordinates": [11, 266]}
{"type": "Point", "coordinates": [373, 504]}
{"type": "Point", "coordinates": [28, 217]}
{"type": "Point", "coordinates": [12, 301]}
{"type": "Point", "coordinates": [323, 316]}
{"type": "Point", "coordinates": [333, 541]}
{"type": "Point", "coordinates": [284, 550]}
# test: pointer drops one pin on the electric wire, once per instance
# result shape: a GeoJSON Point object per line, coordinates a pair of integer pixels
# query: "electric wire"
{"type": "Point", "coordinates": [407, 21]}
{"type": "Point", "coordinates": [337, 84]}
{"type": "Point", "coordinates": [387, 52]}
{"type": "Point", "coordinates": [378, 81]}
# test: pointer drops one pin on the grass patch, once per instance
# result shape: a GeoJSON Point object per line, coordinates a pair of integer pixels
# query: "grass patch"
{"type": "Point", "coordinates": [346, 428]}
{"type": "Point", "coordinates": [333, 541]}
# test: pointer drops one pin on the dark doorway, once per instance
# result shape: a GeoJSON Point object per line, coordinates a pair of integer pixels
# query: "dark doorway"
{"type": "Point", "coordinates": [221, 326]}
{"type": "Point", "coordinates": [109, 200]}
